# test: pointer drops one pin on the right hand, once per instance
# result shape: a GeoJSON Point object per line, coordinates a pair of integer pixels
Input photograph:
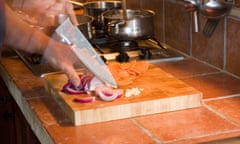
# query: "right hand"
{"type": "Point", "coordinates": [61, 56]}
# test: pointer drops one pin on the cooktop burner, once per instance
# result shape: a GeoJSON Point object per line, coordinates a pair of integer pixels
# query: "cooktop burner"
{"type": "Point", "coordinates": [112, 50]}
{"type": "Point", "coordinates": [150, 50]}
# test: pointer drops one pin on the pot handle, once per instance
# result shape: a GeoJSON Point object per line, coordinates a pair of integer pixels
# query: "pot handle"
{"type": "Point", "coordinates": [76, 3]}
{"type": "Point", "coordinates": [116, 23]}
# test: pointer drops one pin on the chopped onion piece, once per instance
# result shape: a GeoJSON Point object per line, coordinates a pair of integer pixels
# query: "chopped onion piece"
{"type": "Point", "coordinates": [85, 99]}
{"type": "Point", "coordinates": [133, 92]}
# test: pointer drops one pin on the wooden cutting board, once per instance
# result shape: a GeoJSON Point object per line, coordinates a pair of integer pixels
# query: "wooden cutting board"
{"type": "Point", "coordinates": [162, 93]}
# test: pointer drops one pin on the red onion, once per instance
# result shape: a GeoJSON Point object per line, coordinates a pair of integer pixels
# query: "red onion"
{"type": "Point", "coordinates": [85, 99]}
{"type": "Point", "coordinates": [90, 84]}
{"type": "Point", "coordinates": [94, 83]}
{"type": "Point", "coordinates": [71, 89]}
{"type": "Point", "coordinates": [107, 93]}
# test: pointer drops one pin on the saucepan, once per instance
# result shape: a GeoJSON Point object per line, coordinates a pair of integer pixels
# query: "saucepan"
{"type": "Point", "coordinates": [138, 24]}
{"type": "Point", "coordinates": [95, 9]}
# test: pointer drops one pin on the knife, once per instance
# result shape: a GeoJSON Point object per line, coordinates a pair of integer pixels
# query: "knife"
{"type": "Point", "coordinates": [85, 52]}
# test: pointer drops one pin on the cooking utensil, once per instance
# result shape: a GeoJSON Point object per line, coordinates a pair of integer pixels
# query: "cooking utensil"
{"type": "Point", "coordinates": [214, 9]}
{"type": "Point", "coordinates": [95, 9]}
{"type": "Point", "coordinates": [85, 25]}
{"type": "Point", "coordinates": [138, 25]}
{"type": "Point", "coordinates": [85, 52]}
{"type": "Point", "coordinates": [195, 17]}
{"type": "Point", "coordinates": [210, 26]}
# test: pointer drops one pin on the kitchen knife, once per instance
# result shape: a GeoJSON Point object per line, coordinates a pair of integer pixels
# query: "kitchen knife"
{"type": "Point", "coordinates": [85, 52]}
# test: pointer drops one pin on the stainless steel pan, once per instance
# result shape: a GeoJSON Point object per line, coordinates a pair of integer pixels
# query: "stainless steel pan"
{"type": "Point", "coordinates": [137, 25]}
{"type": "Point", "coordinates": [96, 8]}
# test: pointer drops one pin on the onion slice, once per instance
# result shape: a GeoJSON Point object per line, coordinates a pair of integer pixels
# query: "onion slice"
{"type": "Point", "coordinates": [89, 84]}
{"type": "Point", "coordinates": [107, 93]}
{"type": "Point", "coordinates": [71, 89]}
{"type": "Point", "coordinates": [85, 99]}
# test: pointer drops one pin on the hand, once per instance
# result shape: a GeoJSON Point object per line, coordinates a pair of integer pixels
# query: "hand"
{"type": "Point", "coordinates": [61, 56]}
{"type": "Point", "coordinates": [22, 37]}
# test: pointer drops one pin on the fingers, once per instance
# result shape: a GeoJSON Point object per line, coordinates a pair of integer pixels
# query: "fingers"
{"type": "Point", "coordinates": [71, 74]}
{"type": "Point", "coordinates": [61, 57]}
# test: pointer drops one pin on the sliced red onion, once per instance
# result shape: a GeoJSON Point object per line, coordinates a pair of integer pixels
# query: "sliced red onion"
{"type": "Point", "coordinates": [71, 89]}
{"type": "Point", "coordinates": [85, 79]}
{"type": "Point", "coordinates": [93, 84]}
{"type": "Point", "coordinates": [85, 99]}
{"type": "Point", "coordinates": [107, 93]}
{"type": "Point", "coordinates": [90, 84]}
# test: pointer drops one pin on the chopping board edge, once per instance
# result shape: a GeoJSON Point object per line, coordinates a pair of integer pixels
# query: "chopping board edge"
{"type": "Point", "coordinates": [59, 100]}
{"type": "Point", "coordinates": [132, 110]}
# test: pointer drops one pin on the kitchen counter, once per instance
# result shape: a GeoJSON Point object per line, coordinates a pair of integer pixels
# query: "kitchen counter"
{"type": "Point", "coordinates": [218, 118]}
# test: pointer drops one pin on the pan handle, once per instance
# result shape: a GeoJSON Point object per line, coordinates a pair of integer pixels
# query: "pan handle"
{"type": "Point", "coordinates": [76, 3]}
{"type": "Point", "coordinates": [116, 23]}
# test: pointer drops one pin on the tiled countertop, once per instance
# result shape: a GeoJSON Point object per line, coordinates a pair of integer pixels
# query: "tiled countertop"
{"type": "Point", "coordinates": [218, 118]}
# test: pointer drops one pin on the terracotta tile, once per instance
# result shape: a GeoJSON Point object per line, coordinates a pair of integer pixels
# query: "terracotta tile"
{"type": "Point", "coordinates": [114, 132]}
{"type": "Point", "coordinates": [157, 7]}
{"type": "Point", "coordinates": [229, 107]}
{"type": "Point", "coordinates": [209, 49]}
{"type": "Point", "coordinates": [186, 68]}
{"type": "Point", "coordinates": [48, 111]}
{"type": "Point", "coordinates": [215, 85]}
{"type": "Point", "coordinates": [181, 125]}
{"type": "Point", "coordinates": [210, 138]}
{"type": "Point", "coordinates": [177, 26]}
{"type": "Point", "coordinates": [232, 53]}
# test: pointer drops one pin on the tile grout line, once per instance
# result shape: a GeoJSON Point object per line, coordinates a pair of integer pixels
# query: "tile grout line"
{"type": "Point", "coordinates": [199, 137]}
{"type": "Point", "coordinates": [222, 97]}
{"type": "Point", "coordinates": [220, 114]}
{"type": "Point", "coordinates": [197, 75]}
{"type": "Point", "coordinates": [212, 66]}
{"type": "Point", "coordinates": [146, 131]}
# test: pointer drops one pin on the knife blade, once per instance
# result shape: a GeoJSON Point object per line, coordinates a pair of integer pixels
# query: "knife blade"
{"type": "Point", "coordinates": [85, 52]}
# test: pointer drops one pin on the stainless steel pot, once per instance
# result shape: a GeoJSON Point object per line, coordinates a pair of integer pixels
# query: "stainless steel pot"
{"type": "Point", "coordinates": [85, 25]}
{"type": "Point", "coordinates": [137, 25]}
{"type": "Point", "coordinates": [96, 8]}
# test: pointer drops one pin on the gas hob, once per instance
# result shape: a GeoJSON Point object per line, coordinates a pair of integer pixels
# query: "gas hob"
{"type": "Point", "coordinates": [148, 50]}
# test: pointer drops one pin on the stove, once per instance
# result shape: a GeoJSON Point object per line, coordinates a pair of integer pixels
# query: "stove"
{"type": "Point", "coordinates": [150, 50]}
{"type": "Point", "coordinates": [110, 49]}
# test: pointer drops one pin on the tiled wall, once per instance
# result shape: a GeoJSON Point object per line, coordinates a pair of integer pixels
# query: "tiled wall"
{"type": "Point", "coordinates": [173, 26]}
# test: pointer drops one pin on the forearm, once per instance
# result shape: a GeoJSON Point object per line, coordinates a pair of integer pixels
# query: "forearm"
{"type": "Point", "coordinates": [21, 36]}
